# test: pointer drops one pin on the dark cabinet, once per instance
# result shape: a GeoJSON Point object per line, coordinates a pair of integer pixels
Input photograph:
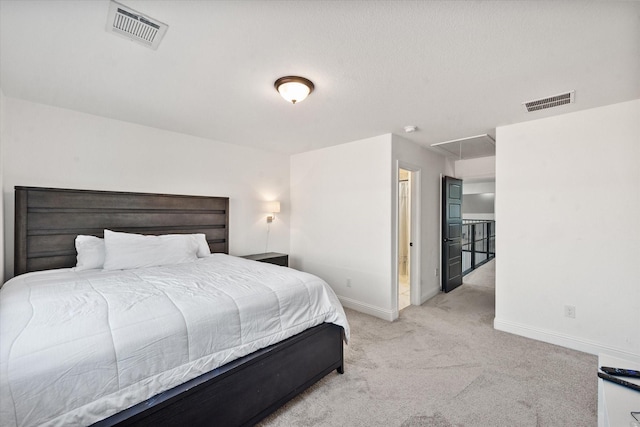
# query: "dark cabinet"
{"type": "Point", "coordinates": [271, 258]}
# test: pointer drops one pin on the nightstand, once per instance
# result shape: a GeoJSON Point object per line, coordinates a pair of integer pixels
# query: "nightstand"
{"type": "Point", "coordinates": [271, 258]}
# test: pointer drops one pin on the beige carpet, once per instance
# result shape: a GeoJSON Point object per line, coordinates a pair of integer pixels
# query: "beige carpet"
{"type": "Point", "coordinates": [443, 364]}
{"type": "Point", "coordinates": [485, 275]}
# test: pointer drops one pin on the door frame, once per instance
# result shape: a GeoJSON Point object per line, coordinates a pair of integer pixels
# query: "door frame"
{"type": "Point", "coordinates": [415, 251]}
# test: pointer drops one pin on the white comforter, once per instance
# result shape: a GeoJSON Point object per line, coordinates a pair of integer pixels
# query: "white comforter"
{"type": "Point", "coordinates": [76, 347]}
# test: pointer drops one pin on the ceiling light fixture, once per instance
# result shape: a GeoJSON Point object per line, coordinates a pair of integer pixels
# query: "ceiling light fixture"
{"type": "Point", "coordinates": [293, 88]}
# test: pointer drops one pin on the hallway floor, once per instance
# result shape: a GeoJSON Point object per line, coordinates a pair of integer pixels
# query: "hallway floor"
{"type": "Point", "coordinates": [484, 275]}
{"type": "Point", "coordinates": [404, 292]}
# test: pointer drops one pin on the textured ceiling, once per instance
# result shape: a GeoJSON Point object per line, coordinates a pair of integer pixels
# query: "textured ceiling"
{"type": "Point", "coordinates": [453, 69]}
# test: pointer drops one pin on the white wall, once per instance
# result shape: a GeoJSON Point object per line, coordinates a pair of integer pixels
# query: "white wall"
{"type": "Point", "coordinates": [344, 218]}
{"type": "Point", "coordinates": [480, 169]}
{"type": "Point", "coordinates": [341, 221]}
{"type": "Point", "coordinates": [479, 178]}
{"type": "Point", "coordinates": [54, 147]}
{"type": "Point", "coordinates": [431, 165]}
{"type": "Point", "coordinates": [478, 200]}
{"type": "Point", "coordinates": [471, 187]}
{"type": "Point", "coordinates": [2, 268]}
{"type": "Point", "coordinates": [482, 203]}
{"type": "Point", "coordinates": [568, 206]}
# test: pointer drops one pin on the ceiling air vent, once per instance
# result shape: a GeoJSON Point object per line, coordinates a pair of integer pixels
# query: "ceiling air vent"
{"type": "Point", "coordinates": [135, 26]}
{"type": "Point", "coordinates": [550, 102]}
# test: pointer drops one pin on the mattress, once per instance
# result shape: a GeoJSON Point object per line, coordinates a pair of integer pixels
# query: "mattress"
{"type": "Point", "coordinates": [79, 346]}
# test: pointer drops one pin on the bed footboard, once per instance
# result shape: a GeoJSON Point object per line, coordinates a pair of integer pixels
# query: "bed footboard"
{"type": "Point", "coordinates": [246, 390]}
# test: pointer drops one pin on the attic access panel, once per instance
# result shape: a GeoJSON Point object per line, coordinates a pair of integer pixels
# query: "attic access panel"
{"type": "Point", "coordinates": [468, 148]}
{"type": "Point", "coordinates": [135, 26]}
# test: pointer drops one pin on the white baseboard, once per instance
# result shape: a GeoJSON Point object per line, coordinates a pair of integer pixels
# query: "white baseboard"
{"type": "Point", "coordinates": [432, 293]}
{"type": "Point", "coordinates": [563, 340]}
{"type": "Point", "coordinates": [379, 312]}
{"type": "Point", "coordinates": [365, 308]}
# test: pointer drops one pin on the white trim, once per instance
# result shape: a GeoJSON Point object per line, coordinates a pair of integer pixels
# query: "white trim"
{"type": "Point", "coordinates": [563, 340]}
{"type": "Point", "coordinates": [416, 234]}
{"type": "Point", "coordinates": [372, 310]}
{"type": "Point", "coordinates": [429, 295]}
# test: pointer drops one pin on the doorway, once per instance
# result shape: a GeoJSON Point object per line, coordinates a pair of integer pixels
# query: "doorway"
{"type": "Point", "coordinates": [408, 236]}
{"type": "Point", "coordinates": [404, 238]}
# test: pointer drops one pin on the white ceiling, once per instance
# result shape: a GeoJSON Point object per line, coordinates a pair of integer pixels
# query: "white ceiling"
{"type": "Point", "coordinates": [453, 69]}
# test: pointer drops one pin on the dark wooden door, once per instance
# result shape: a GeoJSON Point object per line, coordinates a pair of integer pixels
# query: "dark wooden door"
{"type": "Point", "coordinates": [451, 233]}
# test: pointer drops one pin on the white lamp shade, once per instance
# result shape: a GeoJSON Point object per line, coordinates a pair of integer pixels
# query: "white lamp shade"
{"type": "Point", "coordinates": [273, 207]}
{"type": "Point", "coordinates": [294, 89]}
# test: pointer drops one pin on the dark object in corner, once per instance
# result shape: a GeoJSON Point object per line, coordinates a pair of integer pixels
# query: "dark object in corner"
{"type": "Point", "coordinates": [619, 381]}
{"type": "Point", "coordinates": [270, 258]}
{"type": "Point", "coordinates": [619, 372]}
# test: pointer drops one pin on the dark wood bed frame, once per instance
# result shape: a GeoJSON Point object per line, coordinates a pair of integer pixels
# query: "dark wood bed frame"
{"type": "Point", "coordinates": [242, 392]}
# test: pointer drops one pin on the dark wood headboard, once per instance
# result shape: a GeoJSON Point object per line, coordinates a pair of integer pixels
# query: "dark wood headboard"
{"type": "Point", "coordinates": [47, 221]}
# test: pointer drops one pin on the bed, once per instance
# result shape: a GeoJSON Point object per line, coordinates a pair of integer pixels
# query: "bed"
{"type": "Point", "coordinates": [226, 387]}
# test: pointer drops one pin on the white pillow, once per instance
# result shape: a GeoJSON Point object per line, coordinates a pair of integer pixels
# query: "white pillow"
{"type": "Point", "coordinates": [125, 250]}
{"type": "Point", "coordinates": [203, 246]}
{"type": "Point", "coordinates": [90, 252]}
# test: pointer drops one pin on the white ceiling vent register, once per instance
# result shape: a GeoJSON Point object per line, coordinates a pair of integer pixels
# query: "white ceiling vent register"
{"type": "Point", "coordinates": [550, 102]}
{"type": "Point", "coordinates": [133, 25]}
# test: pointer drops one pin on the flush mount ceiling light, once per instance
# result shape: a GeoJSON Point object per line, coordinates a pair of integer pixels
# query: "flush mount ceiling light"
{"type": "Point", "coordinates": [293, 88]}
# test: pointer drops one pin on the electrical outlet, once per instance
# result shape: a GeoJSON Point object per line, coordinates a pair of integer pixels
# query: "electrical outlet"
{"type": "Point", "coordinates": [348, 283]}
{"type": "Point", "coordinates": [435, 272]}
{"type": "Point", "coordinates": [570, 311]}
